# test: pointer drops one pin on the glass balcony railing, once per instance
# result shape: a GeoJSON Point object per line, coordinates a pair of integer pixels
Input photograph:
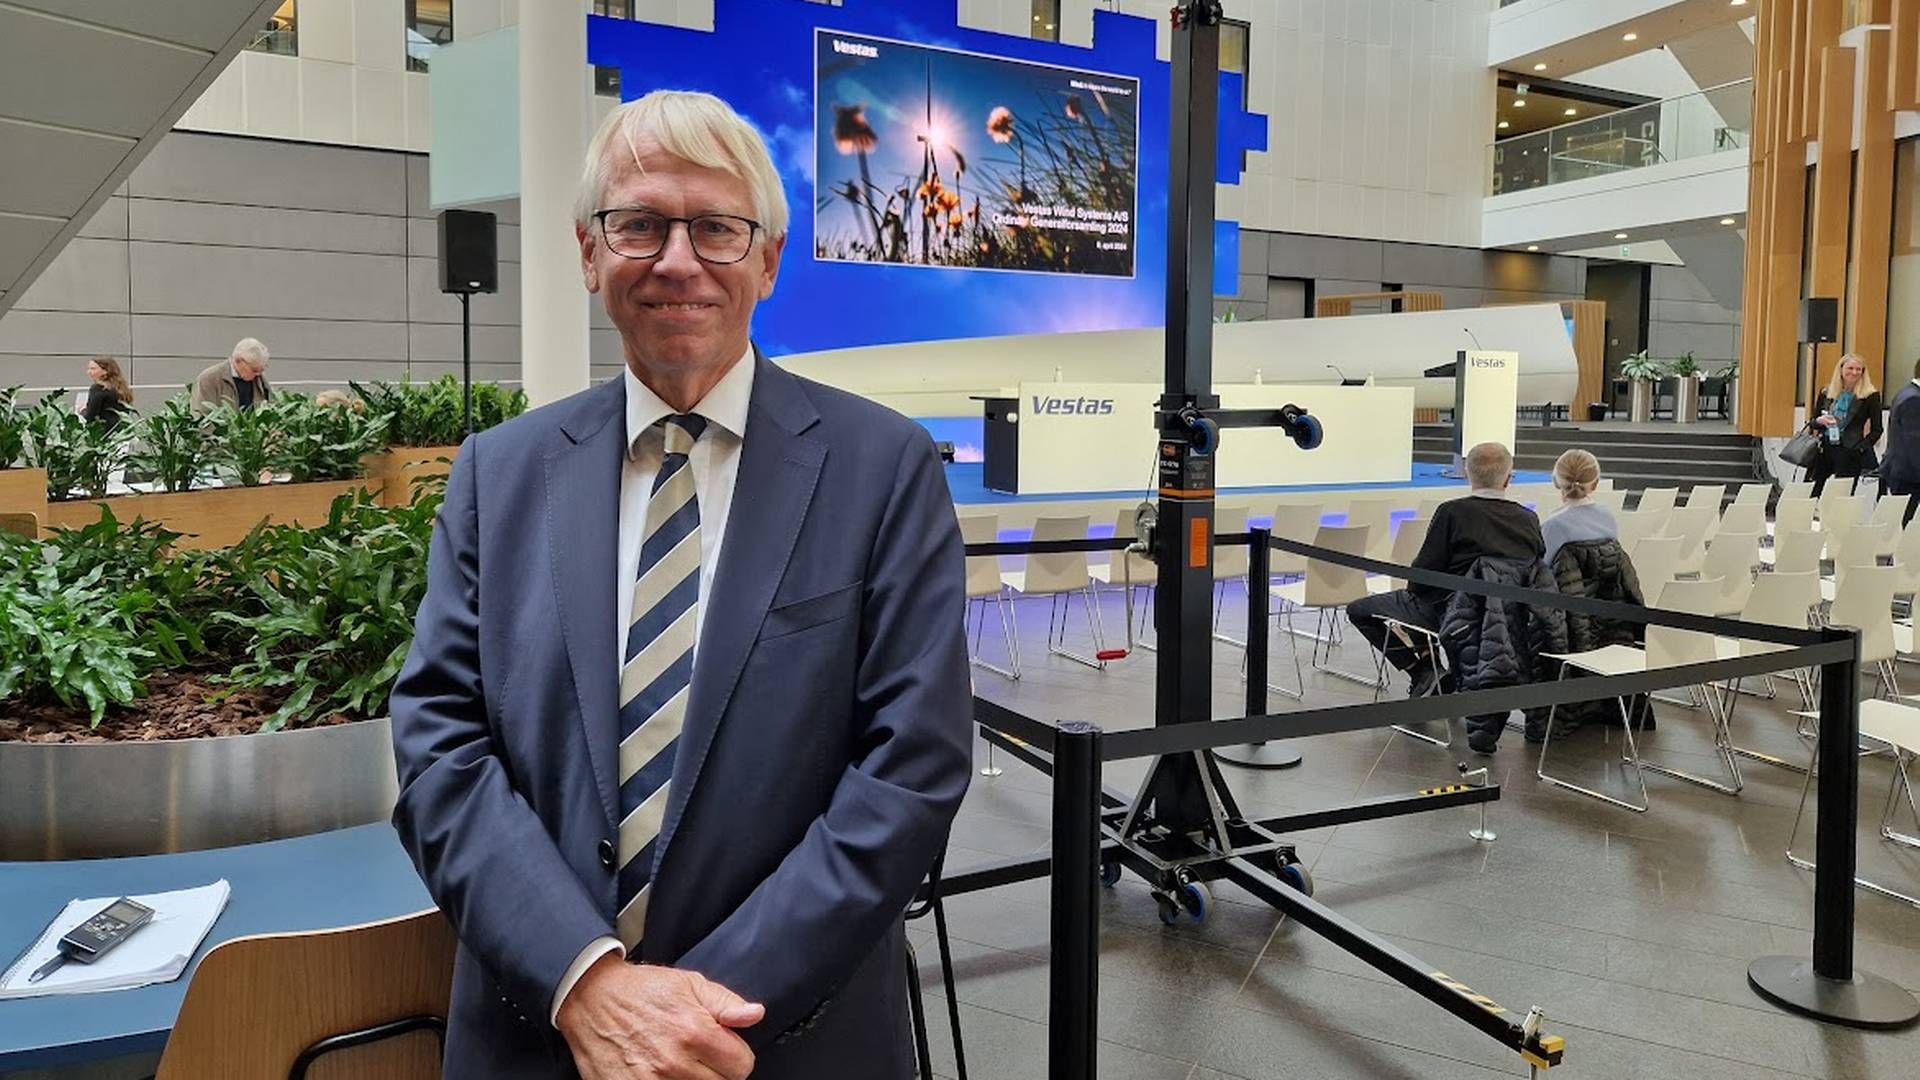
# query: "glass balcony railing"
{"type": "Point", "coordinates": [1656, 133]}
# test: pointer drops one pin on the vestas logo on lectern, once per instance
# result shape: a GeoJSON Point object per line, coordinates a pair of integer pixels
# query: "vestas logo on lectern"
{"type": "Point", "coordinates": [1074, 406]}
{"type": "Point", "coordinates": [855, 48]}
{"type": "Point", "coordinates": [1487, 362]}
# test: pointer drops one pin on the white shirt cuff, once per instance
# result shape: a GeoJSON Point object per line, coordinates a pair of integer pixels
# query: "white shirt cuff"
{"type": "Point", "coordinates": [595, 949]}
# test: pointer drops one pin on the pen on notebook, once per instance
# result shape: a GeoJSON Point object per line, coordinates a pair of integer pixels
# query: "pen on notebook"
{"type": "Point", "coordinates": [47, 968]}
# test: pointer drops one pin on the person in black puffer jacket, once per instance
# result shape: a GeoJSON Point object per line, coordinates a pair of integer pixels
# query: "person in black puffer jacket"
{"type": "Point", "coordinates": [1495, 643]}
{"type": "Point", "coordinates": [1597, 570]}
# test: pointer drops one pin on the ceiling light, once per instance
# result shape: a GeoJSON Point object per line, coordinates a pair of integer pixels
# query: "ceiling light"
{"type": "Point", "coordinates": [1739, 3]}
{"type": "Point", "coordinates": [1539, 67]}
{"type": "Point", "coordinates": [1503, 125]}
{"type": "Point", "coordinates": [1629, 36]}
{"type": "Point", "coordinates": [1519, 103]}
{"type": "Point", "coordinates": [1619, 236]}
{"type": "Point", "coordinates": [1571, 111]}
{"type": "Point", "coordinates": [1726, 221]}
{"type": "Point", "coordinates": [1533, 247]}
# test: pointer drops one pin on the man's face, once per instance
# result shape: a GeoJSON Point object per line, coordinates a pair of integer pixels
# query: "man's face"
{"type": "Point", "coordinates": [677, 314]}
{"type": "Point", "coordinates": [246, 368]}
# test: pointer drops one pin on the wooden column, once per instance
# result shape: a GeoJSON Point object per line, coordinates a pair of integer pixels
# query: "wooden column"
{"type": "Point", "coordinates": [1873, 211]}
{"type": "Point", "coordinates": [1590, 349]}
{"type": "Point", "coordinates": [1906, 54]}
{"type": "Point", "coordinates": [1777, 318]}
{"type": "Point", "coordinates": [1823, 19]}
{"type": "Point", "coordinates": [1832, 188]}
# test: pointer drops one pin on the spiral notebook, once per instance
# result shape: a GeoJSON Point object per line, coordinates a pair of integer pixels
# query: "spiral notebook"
{"type": "Point", "coordinates": [157, 952]}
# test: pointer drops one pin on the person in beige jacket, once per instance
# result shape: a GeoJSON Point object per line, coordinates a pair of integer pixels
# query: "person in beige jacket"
{"type": "Point", "coordinates": [240, 380]}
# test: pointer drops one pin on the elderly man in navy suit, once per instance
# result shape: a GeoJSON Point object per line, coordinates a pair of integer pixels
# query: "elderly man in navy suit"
{"type": "Point", "coordinates": [687, 716]}
{"type": "Point", "coordinates": [1900, 468]}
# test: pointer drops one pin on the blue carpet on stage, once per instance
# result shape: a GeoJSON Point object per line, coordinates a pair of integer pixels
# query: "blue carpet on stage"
{"type": "Point", "coordinates": [966, 482]}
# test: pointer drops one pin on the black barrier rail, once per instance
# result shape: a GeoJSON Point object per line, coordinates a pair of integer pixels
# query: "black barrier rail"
{"type": "Point", "coordinates": [1828, 987]}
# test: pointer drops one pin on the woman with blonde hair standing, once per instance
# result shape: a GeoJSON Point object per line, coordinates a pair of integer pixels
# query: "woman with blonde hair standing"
{"type": "Point", "coordinates": [1846, 416]}
{"type": "Point", "coordinates": [1577, 475]}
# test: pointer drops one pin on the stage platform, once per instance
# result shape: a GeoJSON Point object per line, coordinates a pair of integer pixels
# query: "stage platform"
{"type": "Point", "coordinates": [1017, 512]}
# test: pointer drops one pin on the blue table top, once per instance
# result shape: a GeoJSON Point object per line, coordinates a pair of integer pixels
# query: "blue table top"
{"type": "Point", "coordinates": [316, 882]}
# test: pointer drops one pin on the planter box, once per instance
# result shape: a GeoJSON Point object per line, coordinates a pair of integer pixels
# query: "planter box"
{"type": "Point", "coordinates": [93, 800]}
{"type": "Point", "coordinates": [216, 517]}
{"type": "Point", "coordinates": [24, 491]}
{"type": "Point", "coordinates": [395, 469]}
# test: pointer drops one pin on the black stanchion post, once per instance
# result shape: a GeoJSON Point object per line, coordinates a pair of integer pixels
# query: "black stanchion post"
{"type": "Point", "coordinates": [1829, 987]}
{"type": "Point", "coordinates": [1259, 575]}
{"type": "Point", "coordinates": [1074, 997]}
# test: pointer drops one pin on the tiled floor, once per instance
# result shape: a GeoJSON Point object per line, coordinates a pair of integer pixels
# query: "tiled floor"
{"type": "Point", "coordinates": [1632, 931]}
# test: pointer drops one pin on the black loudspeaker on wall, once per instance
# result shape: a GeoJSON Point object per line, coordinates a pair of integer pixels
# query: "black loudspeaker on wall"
{"type": "Point", "coordinates": [1819, 319]}
{"type": "Point", "coordinates": [469, 252]}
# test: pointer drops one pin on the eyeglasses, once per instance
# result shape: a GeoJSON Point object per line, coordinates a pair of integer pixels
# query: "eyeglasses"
{"type": "Point", "coordinates": [642, 234]}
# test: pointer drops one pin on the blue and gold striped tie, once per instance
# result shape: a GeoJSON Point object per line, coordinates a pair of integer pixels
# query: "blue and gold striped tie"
{"type": "Point", "coordinates": [657, 669]}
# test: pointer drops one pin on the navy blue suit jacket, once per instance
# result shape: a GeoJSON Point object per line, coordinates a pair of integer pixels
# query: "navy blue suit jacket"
{"type": "Point", "coordinates": [1901, 469]}
{"type": "Point", "coordinates": [826, 747]}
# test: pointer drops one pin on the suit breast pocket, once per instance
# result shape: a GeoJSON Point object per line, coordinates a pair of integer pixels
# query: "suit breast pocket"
{"type": "Point", "coordinates": [828, 607]}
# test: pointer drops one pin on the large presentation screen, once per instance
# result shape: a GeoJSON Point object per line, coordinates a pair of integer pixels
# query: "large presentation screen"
{"type": "Point", "coordinates": [935, 157]}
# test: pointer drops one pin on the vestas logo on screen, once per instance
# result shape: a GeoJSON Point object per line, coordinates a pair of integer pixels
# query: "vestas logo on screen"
{"type": "Point", "coordinates": [855, 48]}
{"type": "Point", "coordinates": [1083, 406]}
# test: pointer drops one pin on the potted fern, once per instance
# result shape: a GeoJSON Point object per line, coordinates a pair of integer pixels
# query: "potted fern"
{"type": "Point", "coordinates": [1643, 373]}
{"type": "Point", "coordinates": [1686, 394]}
{"type": "Point", "coordinates": [23, 489]}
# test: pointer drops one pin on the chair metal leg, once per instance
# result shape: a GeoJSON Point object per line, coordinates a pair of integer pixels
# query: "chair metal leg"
{"type": "Point", "coordinates": [1731, 701]}
{"type": "Point", "coordinates": [1813, 769]}
{"type": "Point", "coordinates": [1007, 633]}
{"type": "Point", "coordinates": [1057, 621]}
{"type": "Point", "coordinates": [1722, 744]}
{"type": "Point", "coordinates": [946, 976]}
{"type": "Point", "coordinates": [1322, 655]}
{"type": "Point", "coordinates": [1433, 657]}
{"type": "Point", "coordinates": [1632, 757]}
{"type": "Point", "coordinates": [917, 1011]}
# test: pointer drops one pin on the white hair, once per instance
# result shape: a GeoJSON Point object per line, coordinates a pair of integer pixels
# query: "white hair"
{"type": "Point", "coordinates": [1489, 465]}
{"type": "Point", "coordinates": [697, 127]}
{"type": "Point", "coordinates": [250, 350]}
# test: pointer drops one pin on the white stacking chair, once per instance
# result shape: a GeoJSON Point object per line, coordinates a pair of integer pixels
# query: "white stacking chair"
{"type": "Point", "coordinates": [1299, 522]}
{"type": "Point", "coordinates": [1377, 516]}
{"type": "Point", "coordinates": [1614, 499]}
{"type": "Point", "coordinates": [1797, 489]}
{"type": "Point", "coordinates": [1406, 544]}
{"type": "Point", "coordinates": [1655, 561]}
{"type": "Point", "coordinates": [1897, 726]}
{"type": "Point", "coordinates": [1864, 600]}
{"type": "Point", "coordinates": [1428, 506]}
{"type": "Point", "coordinates": [1656, 499]}
{"type": "Point", "coordinates": [1326, 591]}
{"type": "Point", "coordinates": [1130, 572]}
{"type": "Point", "coordinates": [1793, 515]}
{"type": "Point", "coordinates": [1666, 647]}
{"type": "Point", "coordinates": [1778, 599]}
{"type": "Point", "coordinates": [1732, 558]}
{"type": "Point", "coordinates": [1890, 511]}
{"type": "Point", "coordinates": [1707, 495]}
{"type": "Point", "coordinates": [1906, 556]}
{"type": "Point", "coordinates": [1796, 551]}
{"type": "Point", "coordinates": [1231, 562]}
{"type": "Point", "coordinates": [1839, 509]}
{"type": "Point", "coordinates": [1637, 525]}
{"type": "Point", "coordinates": [984, 585]}
{"type": "Point", "coordinates": [1060, 576]}
{"type": "Point", "coordinates": [1752, 493]}
{"type": "Point", "coordinates": [1739, 517]}
{"type": "Point", "coordinates": [1692, 525]}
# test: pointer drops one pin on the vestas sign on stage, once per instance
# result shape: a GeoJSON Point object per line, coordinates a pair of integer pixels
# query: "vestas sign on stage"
{"type": "Point", "coordinates": [1073, 406]}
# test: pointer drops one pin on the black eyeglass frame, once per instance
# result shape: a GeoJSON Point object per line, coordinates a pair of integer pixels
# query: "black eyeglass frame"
{"type": "Point", "coordinates": [754, 228]}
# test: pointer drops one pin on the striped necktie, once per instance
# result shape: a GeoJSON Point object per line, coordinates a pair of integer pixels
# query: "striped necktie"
{"type": "Point", "coordinates": [658, 668]}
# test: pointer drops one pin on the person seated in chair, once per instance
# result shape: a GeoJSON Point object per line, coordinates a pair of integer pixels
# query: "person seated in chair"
{"type": "Point", "coordinates": [1485, 524]}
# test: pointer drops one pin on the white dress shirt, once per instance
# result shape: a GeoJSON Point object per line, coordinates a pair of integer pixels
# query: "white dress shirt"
{"type": "Point", "coordinates": [715, 461]}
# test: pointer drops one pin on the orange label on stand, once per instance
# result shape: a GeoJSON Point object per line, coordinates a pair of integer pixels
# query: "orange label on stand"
{"type": "Point", "coordinates": [1199, 548]}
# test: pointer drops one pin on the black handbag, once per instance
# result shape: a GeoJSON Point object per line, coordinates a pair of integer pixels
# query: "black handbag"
{"type": "Point", "coordinates": [1801, 450]}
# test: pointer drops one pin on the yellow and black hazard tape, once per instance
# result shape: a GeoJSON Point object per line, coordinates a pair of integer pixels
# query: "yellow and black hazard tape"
{"type": "Point", "coordinates": [1448, 789]}
{"type": "Point", "coordinates": [1543, 1052]}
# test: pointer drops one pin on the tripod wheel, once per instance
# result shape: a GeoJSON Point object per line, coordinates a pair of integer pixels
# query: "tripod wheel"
{"type": "Point", "coordinates": [1296, 875]}
{"type": "Point", "coordinates": [1195, 899]}
{"type": "Point", "coordinates": [1110, 873]}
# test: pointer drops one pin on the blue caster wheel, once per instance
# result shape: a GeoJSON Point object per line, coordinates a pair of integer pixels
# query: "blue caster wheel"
{"type": "Point", "coordinates": [1296, 875]}
{"type": "Point", "coordinates": [1109, 874]}
{"type": "Point", "coordinates": [1195, 900]}
{"type": "Point", "coordinates": [1169, 909]}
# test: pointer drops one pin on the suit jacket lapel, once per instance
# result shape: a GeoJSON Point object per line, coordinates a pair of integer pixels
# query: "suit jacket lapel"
{"type": "Point", "coordinates": [583, 523]}
{"type": "Point", "coordinates": [778, 470]}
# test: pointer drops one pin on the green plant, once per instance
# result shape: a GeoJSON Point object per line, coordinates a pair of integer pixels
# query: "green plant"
{"type": "Point", "coordinates": [139, 557]}
{"type": "Point", "coordinates": [331, 609]}
{"type": "Point", "coordinates": [68, 640]}
{"type": "Point", "coordinates": [433, 414]}
{"type": "Point", "coordinates": [77, 454]}
{"type": "Point", "coordinates": [13, 428]}
{"type": "Point", "coordinates": [1731, 373]}
{"type": "Point", "coordinates": [1684, 366]}
{"type": "Point", "coordinates": [1640, 366]}
{"type": "Point", "coordinates": [325, 442]}
{"type": "Point", "coordinates": [172, 445]}
{"type": "Point", "coordinates": [245, 441]}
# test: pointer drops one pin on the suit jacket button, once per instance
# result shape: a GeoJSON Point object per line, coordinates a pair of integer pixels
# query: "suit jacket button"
{"type": "Point", "coordinates": [606, 854]}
